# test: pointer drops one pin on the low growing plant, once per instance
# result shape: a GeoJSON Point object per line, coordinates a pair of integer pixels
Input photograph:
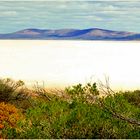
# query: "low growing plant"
{"type": "Point", "coordinates": [8, 87]}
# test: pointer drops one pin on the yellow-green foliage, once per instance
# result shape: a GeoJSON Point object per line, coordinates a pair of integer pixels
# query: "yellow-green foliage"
{"type": "Point", "coordinates": [83, 115]}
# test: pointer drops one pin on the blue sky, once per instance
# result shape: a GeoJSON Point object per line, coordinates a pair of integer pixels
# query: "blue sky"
{"type": "Point", "coordinates": [121, 15]}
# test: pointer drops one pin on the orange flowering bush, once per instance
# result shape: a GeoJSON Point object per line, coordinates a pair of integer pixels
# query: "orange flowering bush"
{"type": "Point", "coordinates": [9, 115]}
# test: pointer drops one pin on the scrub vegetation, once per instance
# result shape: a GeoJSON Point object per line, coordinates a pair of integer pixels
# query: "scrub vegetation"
{"type": "Point", "coordinates": [80, 111]}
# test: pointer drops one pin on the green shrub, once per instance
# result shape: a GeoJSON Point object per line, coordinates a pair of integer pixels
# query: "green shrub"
{"type": "Point", "coordinates": [133, 97]}
{"type": "Point", "coordinates": [8, 87]}
{"type": "Point", "coordinates": [59, 119]}
{"type": "Point", "coordinates": [55, 117]}
{"type": "Point", "coordinates": [85, 93]}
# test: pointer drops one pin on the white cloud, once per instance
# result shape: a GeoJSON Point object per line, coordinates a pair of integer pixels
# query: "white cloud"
{"type": "Point", "coordinates": [8, 13]}
{"type": "Point", "coordinates": [68, 13]}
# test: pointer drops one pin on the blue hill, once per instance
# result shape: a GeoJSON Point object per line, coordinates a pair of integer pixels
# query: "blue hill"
{"type": "Point", "coordinates": [72, 34]}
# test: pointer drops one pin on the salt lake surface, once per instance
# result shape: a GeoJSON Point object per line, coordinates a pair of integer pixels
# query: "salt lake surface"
{"type": "Point", "coordinates": [63, 63]}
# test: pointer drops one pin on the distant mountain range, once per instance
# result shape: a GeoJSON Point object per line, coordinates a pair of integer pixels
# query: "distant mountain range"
{"type": "Point", "coordinates": [72, 34]}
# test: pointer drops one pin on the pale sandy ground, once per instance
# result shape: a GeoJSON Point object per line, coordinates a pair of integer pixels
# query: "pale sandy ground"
{"type": "Point", "coordinates": [63, 63]}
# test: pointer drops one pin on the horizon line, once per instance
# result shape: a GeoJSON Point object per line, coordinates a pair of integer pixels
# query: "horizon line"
{"type": "Point", "coordinates": [70, 29]}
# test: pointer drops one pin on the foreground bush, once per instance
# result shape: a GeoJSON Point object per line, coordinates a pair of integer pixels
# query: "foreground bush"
{"type": "Point", "coordinates": [9, 115]}
{"type": "Point", "coordinates": [83, 115]}
{"type": "Point", "coordinates": [8, 88]}
{"type": "Point", "coordinates": [133, 97]}
{"type": "Point", "coordinates": [59, 119]}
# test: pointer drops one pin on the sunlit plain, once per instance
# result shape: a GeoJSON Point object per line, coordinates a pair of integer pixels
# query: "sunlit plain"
{"type": "Point", "coordinates": [63, 63]}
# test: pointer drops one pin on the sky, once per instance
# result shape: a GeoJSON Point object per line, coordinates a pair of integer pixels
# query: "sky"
{"type": "Point", "coordinates": [119, 15]}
